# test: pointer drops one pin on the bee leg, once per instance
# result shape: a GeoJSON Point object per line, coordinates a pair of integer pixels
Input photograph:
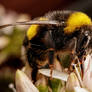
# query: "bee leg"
{"type": "Point", "coordinates": [88, 41]}
{"type": "Point", "coordinates": [51, 60]}
{"type": "Point", "coordinates": [74, 50]}
{"type": "Point", "coordinates": [75, 46]}
{"type": "Point", "coordinates": [86, 47]}
{"type": "Point", "coordinates": [51, 67]}
{"type": "Point", "coordinates": [32, 62]}
{"type": "Point", "coordinates": [76, 58]}
{"type": "Point", "coordinates": [34, 74]}
{"type": "Point", "coordinates": [74, 53]}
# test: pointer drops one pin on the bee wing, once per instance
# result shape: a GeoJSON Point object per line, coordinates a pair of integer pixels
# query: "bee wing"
{"type": "Point", "coordinates": [39, 22]}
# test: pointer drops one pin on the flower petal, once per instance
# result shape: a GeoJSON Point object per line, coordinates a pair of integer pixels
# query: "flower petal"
{"type": "Point", "coordinates": [23, 83]}
{"type": "Point", "coordinates": [78, 89]}
{"type": "Point", "coordinates": [87, 78]}
{"type": "Point", "coordinates": [55, 74]}
{"type": "Point", "coordinates": [72, 82]}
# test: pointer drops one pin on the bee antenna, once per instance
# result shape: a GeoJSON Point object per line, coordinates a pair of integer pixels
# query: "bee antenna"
{"type": "Point", "coordinates": [39, 22]}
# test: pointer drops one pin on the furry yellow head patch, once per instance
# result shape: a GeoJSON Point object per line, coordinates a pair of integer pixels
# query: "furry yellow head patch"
{"type": "Point", "coordinates": [32, 31]}
{"type": "Point", "coordinates": [76, 20]}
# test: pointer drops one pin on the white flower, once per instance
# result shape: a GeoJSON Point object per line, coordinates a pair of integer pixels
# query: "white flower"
{"type": "Point", "coordinates": [23, 83]}
{"type": "Point", "coordinates": [55, 74]}
{"type": "Point", "coordinates": [87, 78]}
{"type": "Point", "coordinates": [72, 82]}
{"type": "Point", "coordinates": [79, 89]}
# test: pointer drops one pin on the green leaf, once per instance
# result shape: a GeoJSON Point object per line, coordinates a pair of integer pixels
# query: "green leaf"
{"type": "Point", "coordinates": [42, 88]}
{"type": "Point", "coordinates": [55, 85]}
{"type": "Point", "coordinates": [65, 59]}
{"type": "Point", "coordinates": [14, 45]}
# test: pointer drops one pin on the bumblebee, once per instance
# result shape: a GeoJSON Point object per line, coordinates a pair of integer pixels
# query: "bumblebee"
{"type": "Point", "coordinates": [53, 33]}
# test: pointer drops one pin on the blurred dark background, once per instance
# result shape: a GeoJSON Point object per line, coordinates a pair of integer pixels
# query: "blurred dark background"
{"type": "Point", "coordinates": [39, 7]}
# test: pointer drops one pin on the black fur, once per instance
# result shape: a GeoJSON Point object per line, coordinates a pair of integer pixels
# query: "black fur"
{"type": "Point", "coordinates": [53, 37]}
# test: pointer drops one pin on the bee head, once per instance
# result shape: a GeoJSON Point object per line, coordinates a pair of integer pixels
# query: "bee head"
{"type": "Point", "coordinates": [58, 34]}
